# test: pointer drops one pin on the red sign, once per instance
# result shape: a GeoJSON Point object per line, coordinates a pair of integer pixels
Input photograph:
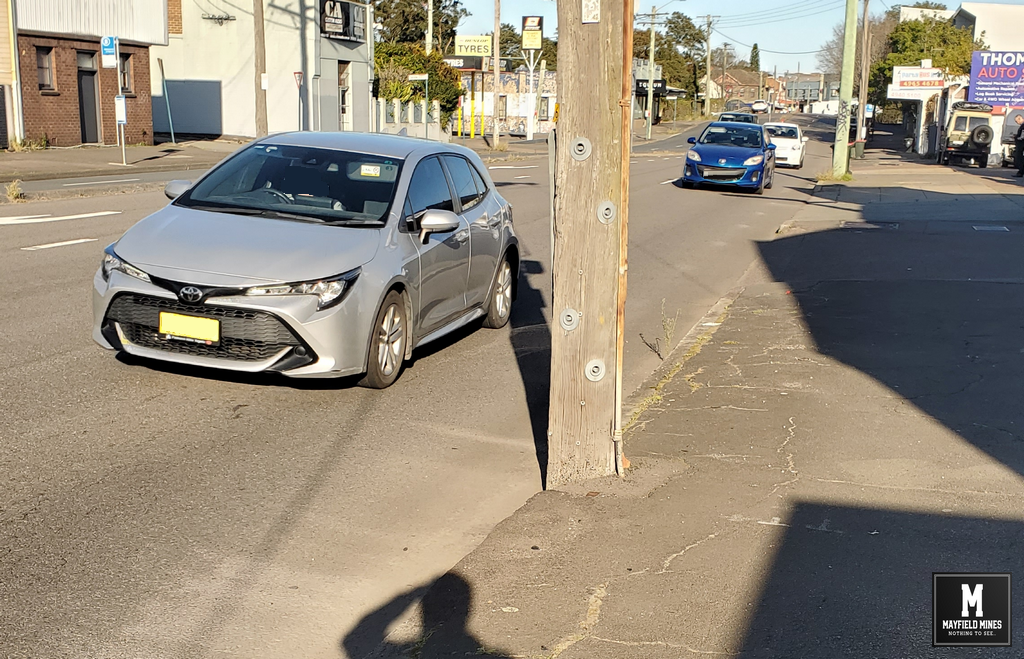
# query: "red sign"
{"type": "Point", "coordinates": [298, 79]}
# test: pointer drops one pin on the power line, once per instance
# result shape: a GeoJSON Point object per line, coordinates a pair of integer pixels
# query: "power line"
{"type": "Point", "coordinates": [765, 50]}
{"type": "Point", "coordinates": [781, 19]}
{"type": "Point", "coordinates": [797, 6]}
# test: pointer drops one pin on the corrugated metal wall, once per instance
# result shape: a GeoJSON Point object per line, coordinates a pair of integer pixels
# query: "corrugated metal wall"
{"type": "Point", "coordinates": [143, 21]}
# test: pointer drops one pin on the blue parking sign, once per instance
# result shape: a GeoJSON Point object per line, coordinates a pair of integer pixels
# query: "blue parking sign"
{"type": "Point", "coordinates": [108, 52]}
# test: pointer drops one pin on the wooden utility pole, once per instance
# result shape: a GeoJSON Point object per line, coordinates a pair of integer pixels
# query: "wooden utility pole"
{"type": "Point", "coordinates": [261, 68]}
{"type": "Point", "coordinates": [650, 73]}
{"type": "Point", "coordinates": [707, 55]}
{"type": "Point", "coordinates": [497, 67]}
{"type": "Point", "coordinates": [725, 66]}
{"type": "Point", "coordinates": [590, 227]}
{"type": "Point", "coordinates": [865, 62]}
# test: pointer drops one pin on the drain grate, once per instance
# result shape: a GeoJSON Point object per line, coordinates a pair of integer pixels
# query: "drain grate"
{"type": "Point", "coordinates": [891, 226]}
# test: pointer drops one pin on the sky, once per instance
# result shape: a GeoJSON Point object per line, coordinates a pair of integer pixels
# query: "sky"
{"type": "Point", "coordinates": [793, 28]}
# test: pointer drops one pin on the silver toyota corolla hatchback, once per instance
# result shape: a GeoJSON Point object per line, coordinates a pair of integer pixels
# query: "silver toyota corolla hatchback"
{"type": "Point", "coordinates": [313, 255]}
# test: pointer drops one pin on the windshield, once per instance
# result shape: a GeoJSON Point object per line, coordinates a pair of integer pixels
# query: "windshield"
{"type": "Point", "coordinates": [785, 132]}
{"type": "Point", "coordinates": [741, 136]}
{"type": "Point", "coordinates": [300, 183]}
{"type": "Point", "coordinates": [743, 118]}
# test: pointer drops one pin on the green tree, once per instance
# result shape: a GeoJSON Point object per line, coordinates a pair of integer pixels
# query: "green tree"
{"type": "Point", "coordinates": [929, 5]}
{"type": "Point", "coordinates": [679, 50]}
{"type": "Point", "coordinates": [405, 21]}
{"type": "Point", "coordinates": [947, 46]}
{"type": "Point", "coordinates": [394, 62]}
{"type": "Point", "coordinates": [755, 58]}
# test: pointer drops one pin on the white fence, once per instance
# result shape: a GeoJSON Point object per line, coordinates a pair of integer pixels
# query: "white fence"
{"type": "Point", "coordinates": [395, 116]}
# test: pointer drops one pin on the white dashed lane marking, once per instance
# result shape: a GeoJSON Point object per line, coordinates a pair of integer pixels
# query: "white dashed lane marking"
{"type": "Point", "coordinates": [513, 167]}
{"type": "Point", "coordinates": [60, 244]}
{"type": "Point", "coordinates": [38, 219]}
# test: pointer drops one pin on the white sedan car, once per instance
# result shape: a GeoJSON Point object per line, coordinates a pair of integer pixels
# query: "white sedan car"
{"type": "Point", "coordinates": [790, 144]}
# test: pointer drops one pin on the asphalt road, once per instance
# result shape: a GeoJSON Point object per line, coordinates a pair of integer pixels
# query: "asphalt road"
{"type": "Point", "coordinates": [153, 511]}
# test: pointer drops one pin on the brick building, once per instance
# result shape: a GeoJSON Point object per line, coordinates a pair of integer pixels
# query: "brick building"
{"type": "Point", "coordinates": [67, 97]}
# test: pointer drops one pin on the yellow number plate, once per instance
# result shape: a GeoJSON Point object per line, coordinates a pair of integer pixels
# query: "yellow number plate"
{"type": "Point", "coordinates": [189, 327]}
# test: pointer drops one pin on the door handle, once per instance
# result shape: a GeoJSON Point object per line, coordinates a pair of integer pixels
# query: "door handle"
{"type": "Point", "coordinates": [462, 236]}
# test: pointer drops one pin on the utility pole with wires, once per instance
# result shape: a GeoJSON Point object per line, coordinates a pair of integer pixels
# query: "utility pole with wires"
{"type": "Point", "coordinates": [497, 68]}
{"type": "Point", "coordinates": [260, 58]}
{"type": "Point", "coordinates": [725, 65]}
{"type": "Point", "coordinates": [707, 66]}
{"type": "Point", "coordinates": [862, 96]}
{"type": "Point", "coordinates": [590, 231]}
{"type": "Point", "coordinates": [651, 21]}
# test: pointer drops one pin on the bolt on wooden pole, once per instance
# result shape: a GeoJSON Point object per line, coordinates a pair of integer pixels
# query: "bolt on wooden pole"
{"type": "Point", "coordinates": [589, 259]}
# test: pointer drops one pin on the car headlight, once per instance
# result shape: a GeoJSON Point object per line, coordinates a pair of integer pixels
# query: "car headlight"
{"type": "Point", "coordinates": [693, 155]}
{"type": "Point", "coordinates": [753, 160]}
{"type": "Point", "coordinates": [112, 262]}
{"type": "Point", "coordinates": [328, 291]}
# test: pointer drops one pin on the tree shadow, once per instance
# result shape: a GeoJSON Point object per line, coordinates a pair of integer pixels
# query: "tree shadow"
{"type": "Point", "coordinates": [444, 608]}
{"type": "Point", "coordinates": [932, 310]}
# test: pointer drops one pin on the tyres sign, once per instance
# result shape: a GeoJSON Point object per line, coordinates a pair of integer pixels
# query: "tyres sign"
{"type": "Point", "coordinates": [997, 77]}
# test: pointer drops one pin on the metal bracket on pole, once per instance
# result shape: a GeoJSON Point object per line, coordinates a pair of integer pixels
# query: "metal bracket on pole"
{"type": "Point", "coordinates": [594, 370]}
{"type": "Point", "coordinates": [580, 149]}
{"type": "Point", "coordinates": [606, 212]}
{"type": "Point", "coordinates": [569, 319]}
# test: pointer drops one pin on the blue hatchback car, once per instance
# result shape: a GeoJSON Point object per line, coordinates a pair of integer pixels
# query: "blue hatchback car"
{"type": "Point", "coordinates": [729, 153]}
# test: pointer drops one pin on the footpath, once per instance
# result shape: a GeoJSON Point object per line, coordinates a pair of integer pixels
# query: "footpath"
{"type": "Point", "coordinates": [841, 426]}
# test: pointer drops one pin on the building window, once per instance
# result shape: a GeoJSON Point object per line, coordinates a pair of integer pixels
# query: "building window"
{"type": "Point", "coordinates": [126, 73]}
{"type": "Point", "coordinates": [502, 107]}
{"type": "Point", "coordinates": [44, 67]}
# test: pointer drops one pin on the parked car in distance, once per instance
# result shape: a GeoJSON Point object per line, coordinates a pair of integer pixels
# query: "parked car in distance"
{"type": "Point", "coordinates": [790, 143]}
{"type": "Point", "coordinates": [967, 134]}
{"type": "Point", "coordinates": [313, 255]}
{"type": "Point", "coordinates": [742, 117]}
{"type": "Point", "coordinates": [760, 105]}
{"type": "Point", "coordinates": [731, 153]}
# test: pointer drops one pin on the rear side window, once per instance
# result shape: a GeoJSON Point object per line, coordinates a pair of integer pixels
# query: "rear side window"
{"type": "Point", "coordinates": [462, 177]}
{"type": "Point", "coordinates": [977, 121]}
{"type": "Point", "coordinates": [428, 188]}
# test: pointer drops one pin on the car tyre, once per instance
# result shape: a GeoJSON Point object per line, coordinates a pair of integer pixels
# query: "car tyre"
{"type": "Point", "coordinates": [499, 309]}
{"type": "Point", "coordinates": [387, 343]}
{"type": "Point", "coordinates": [771, 181]}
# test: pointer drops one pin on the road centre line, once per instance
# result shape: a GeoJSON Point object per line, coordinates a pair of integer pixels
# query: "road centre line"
{"type": "Point", "coordinates": [45, 218]}
{"type": "Point", "coordinates": [120, 180]}
{"type": "Point", "coordinates": [60, 244]}
{"type": "Point", "coordinates": [513, 167]}
{"type": "Point", "coordinates": [671, 180]}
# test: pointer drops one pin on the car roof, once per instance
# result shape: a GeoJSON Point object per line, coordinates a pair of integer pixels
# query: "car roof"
{"type": "Point", "coordinates": [741, 114]}
{"type": "Point", "coordinates": [380, 144]}
{"type": "Point", "coordinates": [783, 124]}
{"type": "Point", "coordinates": [728, 124]}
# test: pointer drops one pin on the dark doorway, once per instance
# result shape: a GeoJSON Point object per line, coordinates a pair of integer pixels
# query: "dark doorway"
{"type": "Point", "coordinates": [87, 98]}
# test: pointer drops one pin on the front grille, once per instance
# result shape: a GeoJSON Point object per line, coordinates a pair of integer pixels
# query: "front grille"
{"type": "Point", "coordinates": [721, 173]}
{"type": "Point", "coordinates": [246, 335]}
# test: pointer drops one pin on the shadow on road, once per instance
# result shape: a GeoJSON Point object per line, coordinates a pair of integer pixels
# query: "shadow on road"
{"type": "Point", "coordinates": [444, 609]}
{"type": "Point", "coordinates": [937, 316]}
{"type": "Point", "coordinates": [531, 341]}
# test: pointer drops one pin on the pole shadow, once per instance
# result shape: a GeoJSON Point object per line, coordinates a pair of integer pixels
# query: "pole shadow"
{"type": "Point", "coordinates": [531, 342]}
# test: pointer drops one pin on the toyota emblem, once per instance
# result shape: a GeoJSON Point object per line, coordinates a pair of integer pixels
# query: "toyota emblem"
{"type": "Point", "coordinates": [721, 161]}
{"type": "Point", "coordinates": [190, 294]}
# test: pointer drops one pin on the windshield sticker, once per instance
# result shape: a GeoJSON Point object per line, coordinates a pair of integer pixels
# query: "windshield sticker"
{"type": "Point", "coordinates": [370, 170]}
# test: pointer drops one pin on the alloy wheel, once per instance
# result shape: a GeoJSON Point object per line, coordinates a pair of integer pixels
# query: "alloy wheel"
{"type": "Point", "coordinates": [390, 341]}
{"type": "Point", "coordinates": [503, 290]}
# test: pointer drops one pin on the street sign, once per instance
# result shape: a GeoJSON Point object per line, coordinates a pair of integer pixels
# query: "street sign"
{"type": "Point", "coordinates": [298, 79]}
{"type": "Point", "coordinates": [533, 32]}
{"type": "Point", "coordinates": [473, 45]}
{"type": "Point", "coordinates": [414, 77]}
{"type": "Point", "coordinates": [120, 110]}
{"type": "Point", "coordinates": [464, 63]}
{"type": "Point", "coordinates": [340, 19]}
{"type": "Point", "coordinates": [108, 52]}
{"type": "Point", "coordinates": [915, 83]}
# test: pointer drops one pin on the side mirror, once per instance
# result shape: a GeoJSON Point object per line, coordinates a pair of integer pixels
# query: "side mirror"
{"type": "Point", "coordinates": [804, 138]}
{"type": "Point", "coordinates": [771, 146]}
{"type": "Point", "coordinates": [175, 189]}
{"type": "Point", "coordinates": [691, 140]}
{"type": "Point", "coordinates": [437, 221]}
